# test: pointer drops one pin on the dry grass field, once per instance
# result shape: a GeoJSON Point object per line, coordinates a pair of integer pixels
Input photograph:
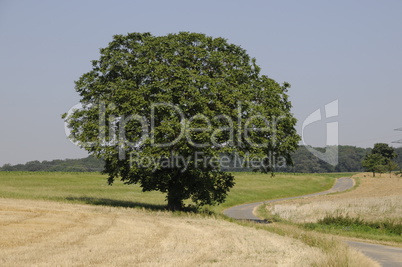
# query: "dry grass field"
{"type": "Point", "coordinates": [44, 233]}
{"type": "Point", "coordinates": [374, 198]}
{"type": "Point", "coordinates": [35, 231]}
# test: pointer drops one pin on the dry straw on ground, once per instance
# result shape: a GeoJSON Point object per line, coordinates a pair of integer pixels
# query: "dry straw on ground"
{"type": "Point", "coordinates": [39, 233]}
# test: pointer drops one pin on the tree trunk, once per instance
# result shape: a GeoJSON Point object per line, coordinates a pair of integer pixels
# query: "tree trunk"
{"type": "Point", "coordinates": [175, 194]}
{"type": "Point", "coordinates": [174, 201]}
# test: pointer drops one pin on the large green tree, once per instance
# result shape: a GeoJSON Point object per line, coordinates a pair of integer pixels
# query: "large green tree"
{"type": "Point", "coordinates": [166, 112]}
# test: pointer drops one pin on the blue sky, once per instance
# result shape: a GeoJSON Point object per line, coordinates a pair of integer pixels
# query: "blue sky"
{"type": "Point", "coordinates": [350, 51]}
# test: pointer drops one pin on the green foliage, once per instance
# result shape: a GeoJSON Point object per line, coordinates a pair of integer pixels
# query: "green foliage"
{"type": "Point", "coordinates": [384, 150]}
{"type": "Point", "coordinates": [374, 163]}
{"type": "Point", "coordinates": [356, 224]}
{"type": "Point", "coordinates": [398, 158]}
{"type": "Point", "coordinates": [340, 220]}
{"type": "Point", "coordinates": [380, 159]}
{"type": "Point", "coordinates": [172, 97]}
{"type": "Point", "coordinates": [350, 158]}
{"type": "Point", "coordinates": [391, 166]}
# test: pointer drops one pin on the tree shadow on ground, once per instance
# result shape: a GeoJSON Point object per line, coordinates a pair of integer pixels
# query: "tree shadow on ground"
{"type": "Point", "coordinates": [131, 204]}
{"type": "Point", "coordinates": [116, 203]}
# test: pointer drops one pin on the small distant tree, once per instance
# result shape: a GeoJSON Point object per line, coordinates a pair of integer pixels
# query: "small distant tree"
{"type": "Point", "coordinates": [374, 163]}
{"type": "Point", "coordinates": [391, 166]}
{"type": "Point", "coordinates": [380, 159]}
{"type": "Point", "coordinates": [6, 167]}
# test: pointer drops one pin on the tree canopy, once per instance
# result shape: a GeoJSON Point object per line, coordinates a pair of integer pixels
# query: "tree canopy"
{"type": "Point", "coordinates": [380, 159]}
{"type": "Point", "coordinates": [168, 112]}
{"type": "Point", "coordinates": [374, 163]}
{"type": "Point", "coordinates": [384, 150]}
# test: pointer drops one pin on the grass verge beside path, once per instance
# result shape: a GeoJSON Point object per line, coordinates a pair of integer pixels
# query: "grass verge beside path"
{"type": "Point", "coordinates": [372, 211]}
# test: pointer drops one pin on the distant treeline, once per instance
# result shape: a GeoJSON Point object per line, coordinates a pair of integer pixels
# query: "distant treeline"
{"type": "Point", "coordinates": [88, 164]}
{"type": "Point", "coordinates": [350, 160]}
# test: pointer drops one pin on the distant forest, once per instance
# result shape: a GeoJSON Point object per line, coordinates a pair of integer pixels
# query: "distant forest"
{"type": "Point", "coordinates": [350, 160]}
{"type": "Point", "coordinates": [88, 164]}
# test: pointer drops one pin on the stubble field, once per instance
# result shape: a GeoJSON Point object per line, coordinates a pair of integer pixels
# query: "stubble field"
{"type": "Point", "coordinates": [43, 233]}
{"type": "Point", "coordinates": [44, 221]}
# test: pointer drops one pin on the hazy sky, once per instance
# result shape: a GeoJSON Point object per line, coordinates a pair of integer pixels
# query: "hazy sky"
{"type": "Point", "coordinates": [350, 51]}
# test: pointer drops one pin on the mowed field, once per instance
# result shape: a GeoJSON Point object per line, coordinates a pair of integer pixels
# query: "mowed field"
{"type": "Point", "coordinates": [45, 220]}
{"type": "Point", "coordinates": [39, 233]}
